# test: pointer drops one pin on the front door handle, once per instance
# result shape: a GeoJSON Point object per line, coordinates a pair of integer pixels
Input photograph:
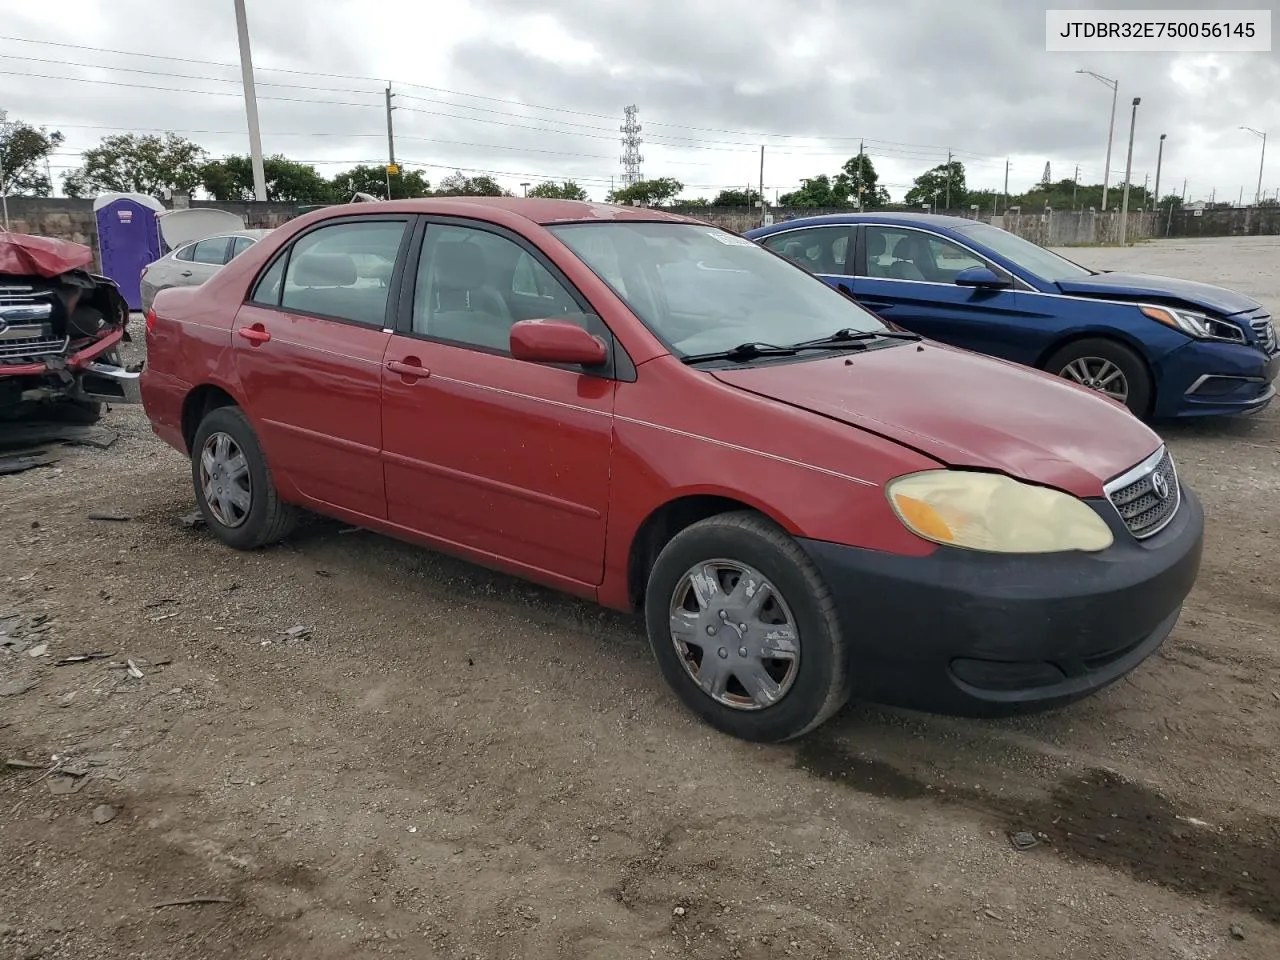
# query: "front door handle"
{"type": "Point", "coordinates": [256, 334]}
{"type": "Point", "coordinates": [185, 273]}
{"type": "Point", "coordinates": [410, 369]}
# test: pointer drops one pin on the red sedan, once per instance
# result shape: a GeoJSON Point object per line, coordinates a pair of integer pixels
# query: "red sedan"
{"type": "Point", "coordinates": [804, 503]}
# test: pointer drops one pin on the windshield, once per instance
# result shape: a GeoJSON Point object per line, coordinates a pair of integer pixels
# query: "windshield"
{"type": "Point", "coordinates": [703, 290]}
{"type": "Point", "coordinates": [1034, 259]}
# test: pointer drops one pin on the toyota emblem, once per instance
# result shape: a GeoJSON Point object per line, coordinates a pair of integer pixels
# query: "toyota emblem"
{"type": "Point", "coordinates": [1160, 486]}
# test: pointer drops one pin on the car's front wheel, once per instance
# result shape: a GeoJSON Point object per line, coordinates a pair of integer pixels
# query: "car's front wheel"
{"type": "Point", "coordinates": [1108, 367]}
{"type": "Point", "coordinates": [744, 629]}
{"type": "Point", "coordinates": [233, 484]}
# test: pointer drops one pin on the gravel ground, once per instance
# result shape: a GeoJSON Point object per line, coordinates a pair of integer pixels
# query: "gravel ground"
{"type": "Point", "coordinates": [448, 763]}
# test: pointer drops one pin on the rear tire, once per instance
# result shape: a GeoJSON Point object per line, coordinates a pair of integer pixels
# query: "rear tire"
{"type": "Point", "coordinates": [233, 485]}
{"type": "Point", "coordinates": [718, 655]}
{"type": "Point", "coordinates": [1100, 364]}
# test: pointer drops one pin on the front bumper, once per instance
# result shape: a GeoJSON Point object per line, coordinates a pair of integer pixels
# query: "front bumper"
{"type": "Point", "coordinates": [1212, 379]}
{"type": "Point", "coordinates": [977, 634]}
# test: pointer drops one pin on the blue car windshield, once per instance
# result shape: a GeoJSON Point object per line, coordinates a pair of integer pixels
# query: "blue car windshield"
{"type": "Point", "coordinates": [701, 289]}
{"type": "Point", "coordinates": [1032, 258]}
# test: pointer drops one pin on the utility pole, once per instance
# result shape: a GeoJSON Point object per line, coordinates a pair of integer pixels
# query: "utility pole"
{"type": "Point", "coordinates": [1159, 161]}
{"type": "Point", "coordinates": [1128, 170]}
{"type": "Point", "coordinates": [250, 104]}
{"type": "Point", "coordinates": [1146, 179]}
{"type": "Point", "coordinates": [391, 143]}
{"type": "Point", "coordinates": [1006, 184]}
{"type": "Point", "coordinates": [525, 187]}
{"type": "Point", "coordinates": [1075, 182]}
{"type": "Point", "coordinates": [948, 206]}
{"type": "Point", "coordinates": [761, 185]}
{"type": "Point", "coordinates": [1111, 130]}
{"type": "Point", "coordinates": [1261, 160]}
{"type": "Point", "coordinates": [5, 128]}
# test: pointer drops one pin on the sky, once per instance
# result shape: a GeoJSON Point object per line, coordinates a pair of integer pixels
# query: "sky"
{"type": "Point", "coordinates": [529, 91]}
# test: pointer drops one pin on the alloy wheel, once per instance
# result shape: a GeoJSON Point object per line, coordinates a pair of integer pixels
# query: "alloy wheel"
{"type": "Point", "coordinates": [1098, 373]}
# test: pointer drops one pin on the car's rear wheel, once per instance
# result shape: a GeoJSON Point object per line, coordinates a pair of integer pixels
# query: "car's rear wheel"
{"type": "Point", "coordinates": [744, 629]}
{"type": "Point", "coordinates": [1107, 366]}
{"type": "Point", "coordinates": [233, 484]}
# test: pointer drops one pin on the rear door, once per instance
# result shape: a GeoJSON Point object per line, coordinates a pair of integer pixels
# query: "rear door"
{"type": "Point", "coordinates": [206, 258]}
{"type": "Point", "coordinates": [907, 276]}
{"type": "Point", "coordinates": [826, 251]}
{"type": "Point", "coordinates": [309, 348]}
{"type": "Point", "coordinates": [506, 458]}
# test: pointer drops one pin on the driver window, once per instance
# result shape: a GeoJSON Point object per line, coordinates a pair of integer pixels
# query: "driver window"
{"type": "Point", "coordinates": [473, 286]}
{"type": "Point", "coordinates": [950, 258]}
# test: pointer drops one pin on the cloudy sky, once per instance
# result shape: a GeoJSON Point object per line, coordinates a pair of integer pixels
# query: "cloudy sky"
{"type": "Point", "coordinates": [527, 91]}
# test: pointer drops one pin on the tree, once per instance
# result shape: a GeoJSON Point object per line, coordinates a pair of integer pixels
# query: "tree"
{"type": "Point", "coordinates": [288, 181]}
{"type": "Point", "coordinates": [858, 178]}
{"type": "Point", "coordinates": [943, 182]}
{"type": "Point", "coordinates": [693, 202]}
{"type": "Point", "coordinates": [736, 198]}
{"type": "Point", "coordinates": [814, 192]}
{"type": "Point", "coordinates": [373, 181]}
{"type": "Point", "coordinates": [24, 152]}
{"type": "Point", "coordinates": [130, 163]}
{"type": "Point", "coordinates": [567, 190]}
{"type": "Point", "coordinates": [457, 185]}
{"type": "Point", "coordinates": [649, 193]}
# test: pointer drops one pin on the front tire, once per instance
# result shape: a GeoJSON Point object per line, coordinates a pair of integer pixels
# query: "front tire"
{"type": "Point", "coordinates": [233, 485]}
{"type": "Point", "coordinates": [744, 629]}
{"type": "Point", "coordinates": [1108, 367]}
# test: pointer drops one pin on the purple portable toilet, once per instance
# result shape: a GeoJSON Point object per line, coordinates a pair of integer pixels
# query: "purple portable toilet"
{"type": "Point", "coordinates": [128, 239]}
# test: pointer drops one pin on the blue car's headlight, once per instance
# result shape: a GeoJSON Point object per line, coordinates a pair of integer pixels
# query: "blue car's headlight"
{"type": "Point", "coordinates": [1193, 324]}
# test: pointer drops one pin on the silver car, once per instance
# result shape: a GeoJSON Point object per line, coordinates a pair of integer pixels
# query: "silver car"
{"type": "Point", "coordinates": [193, 263]}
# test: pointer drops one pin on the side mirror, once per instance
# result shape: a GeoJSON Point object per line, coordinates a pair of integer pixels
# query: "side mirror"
{"type": "Point", "coordinates": [556, 341]}
{"type": "Point", "coordinates": [982, 277]}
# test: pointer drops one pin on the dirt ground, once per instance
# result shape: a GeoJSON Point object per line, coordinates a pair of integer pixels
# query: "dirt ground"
{"type": "Point", "coordinates": [454, 764]}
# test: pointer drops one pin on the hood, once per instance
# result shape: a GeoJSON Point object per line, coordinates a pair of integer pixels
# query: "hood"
{"type": "Point", "coordinates": [1131, 286]}
{"type": "Point", "coordinates": [180, 227]}
{"type": "Point", "coordinates": [26, 256]}
{"type": "Point", "coordinates": [966, 410]}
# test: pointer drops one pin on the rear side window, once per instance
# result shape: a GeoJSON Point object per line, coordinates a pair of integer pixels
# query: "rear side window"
{"type": "Point", "coordinates": [341, 271]}
{"type": "Point", "coordinates": [184, 253]}
{"type": "Point", "coordinates": [818, 249]}
{"type": "Point", "coordinates": [213, 250]}
{"type": "Point", "coordinates": [239, 245]}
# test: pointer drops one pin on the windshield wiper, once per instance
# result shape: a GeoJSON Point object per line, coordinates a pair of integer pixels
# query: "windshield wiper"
{"type": "Point", "coordinates": [850, 336]}
{"type": "Point", "coordinates": [743, 351]}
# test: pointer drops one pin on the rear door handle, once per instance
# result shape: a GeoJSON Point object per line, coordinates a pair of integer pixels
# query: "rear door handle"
{"type": "Point", "coordinates": [256, 334]}
{"type": "Point", "coordinates": [185, 273]}
{"type": "Point", "coordinates": [876, 304]}
{"type": "Point", "coordinates": [410, 369]}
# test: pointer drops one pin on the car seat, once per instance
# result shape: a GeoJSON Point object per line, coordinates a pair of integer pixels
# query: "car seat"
{"type": "Point", "coordinates": [461, 304]}
{"type": "Point", "coordinates": [907, 253]}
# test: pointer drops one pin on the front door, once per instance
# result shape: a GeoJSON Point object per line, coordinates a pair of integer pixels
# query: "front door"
{"type": "Point", "coordinates": [907, 276]}
{"type": "Point", "coordinates": [505, 458]}
{"type": "Point", "coordinates": [309, 348]}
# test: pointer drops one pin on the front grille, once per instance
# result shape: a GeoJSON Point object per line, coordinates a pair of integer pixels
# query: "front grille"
{"type": "Point", "coordinates": [18, 352]}
{"type": "Point", "coordinates": [1147, 496]}
{"type": "Point", "coordinates": [1265, 331]}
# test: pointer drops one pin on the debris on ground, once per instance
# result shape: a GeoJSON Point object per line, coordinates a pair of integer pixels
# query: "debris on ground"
{"type": "Point", "coordinates": [103, 813]}
{"type": "Point", "coordinates": [298, 633]}
{"type": "Point", "coordinates": [190, 901]}
{"type": "Point", "coordinates": [39, 650]}
{"type": "Point", "coordinates": [1237, 932]}
{"type": "Point", "coordinates": [83, 658]}
{"type": "Point", "coordinates": [1023, 840]}
{"type": "Point", "coordinates": [24, 765]}
{"type": "Point", "coordinates": [114, 516]}
{"type": "Point", "coordinates": [193, 519]}
{"type": "Point", "coordinates": [23, 462]}
{"type": "Point", "coordinates": [40, 434]}
{"type": "Point", "coordinates": [133, 670]}
{"type": "Point", "coordinates": [64, 784]}
{"type": "Point", "coordinates": [14, 688]}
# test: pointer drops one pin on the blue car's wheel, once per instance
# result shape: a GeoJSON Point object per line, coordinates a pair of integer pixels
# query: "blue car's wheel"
{"type": "Point", "coordinates": [1108, 367]}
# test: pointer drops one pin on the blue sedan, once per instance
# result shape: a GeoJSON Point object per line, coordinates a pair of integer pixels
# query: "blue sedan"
{"type": "Point", "coordinates": [1165, 348]}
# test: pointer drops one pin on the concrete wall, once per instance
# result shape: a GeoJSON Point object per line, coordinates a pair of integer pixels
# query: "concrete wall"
{"type": "Point", "coordinates": [1231, 222]}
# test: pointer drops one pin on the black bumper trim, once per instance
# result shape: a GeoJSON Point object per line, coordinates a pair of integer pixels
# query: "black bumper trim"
{"type": "Point", "coordinates": [1068, 623]}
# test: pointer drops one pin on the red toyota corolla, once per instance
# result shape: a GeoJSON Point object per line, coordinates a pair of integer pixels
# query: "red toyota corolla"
{"type": "Point", "coordinates": [805, 503]}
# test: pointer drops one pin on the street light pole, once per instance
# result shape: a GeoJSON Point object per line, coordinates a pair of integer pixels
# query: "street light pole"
{"type": "Point", "coordinates": [1257, 199]}
{"type": "Point", "coordinates": [250, 103]}
{"type": "Point", "coordinates": [1159, 158]}
{"type": "Point", "coordinates": [1128, 169]}
{"type": "Point", "coordinates": [1111, 130]}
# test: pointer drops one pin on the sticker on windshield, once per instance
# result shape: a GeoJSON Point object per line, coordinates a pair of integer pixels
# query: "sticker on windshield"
{"type": "Point", "coordinates": [729, 239]}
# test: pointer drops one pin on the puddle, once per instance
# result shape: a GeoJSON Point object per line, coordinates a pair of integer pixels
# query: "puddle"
{"type": "Point", "coordinates": [1101, 817]}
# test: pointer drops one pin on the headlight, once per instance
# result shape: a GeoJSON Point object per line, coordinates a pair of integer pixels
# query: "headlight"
{"type": "Point", "coordinates": [1198, 325]}
{"type": "Point", "coordinates": [990, 512]}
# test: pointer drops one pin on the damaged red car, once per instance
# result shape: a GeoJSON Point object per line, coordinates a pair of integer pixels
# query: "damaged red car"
{"type": "Point", "coordinates": [60, 332]}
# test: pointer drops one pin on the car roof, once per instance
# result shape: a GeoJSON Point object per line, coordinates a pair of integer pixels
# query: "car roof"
{"type": "Point", "coordinates": [891, 217]}
{"type": "Point", "coordinates": [533, 209]}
